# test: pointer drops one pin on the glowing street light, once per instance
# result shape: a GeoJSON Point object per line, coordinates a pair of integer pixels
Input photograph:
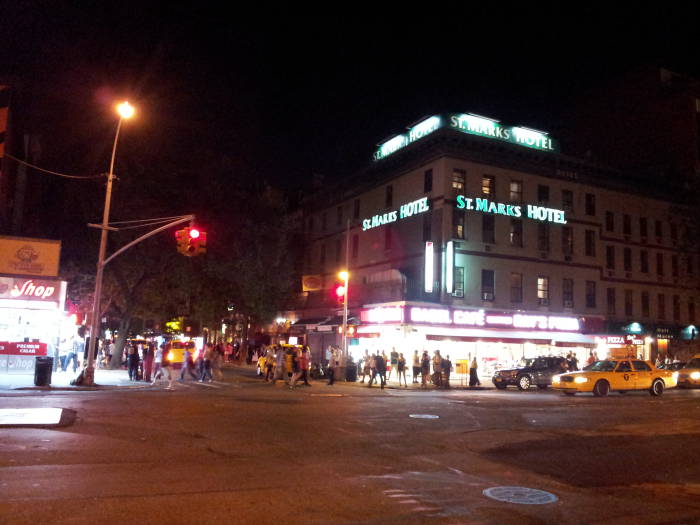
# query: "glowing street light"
{"type": "Point", "coordinates": [125, 111]}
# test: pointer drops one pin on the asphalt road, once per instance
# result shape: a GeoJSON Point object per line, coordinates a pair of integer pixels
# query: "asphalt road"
{"type": "Point", "coordinates": [242, 451]}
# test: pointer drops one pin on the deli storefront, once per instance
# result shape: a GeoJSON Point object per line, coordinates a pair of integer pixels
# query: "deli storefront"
{"type": "Point", "coordinates": [31, 321]}
{"type": "Point", "coordinates": [497, 339]}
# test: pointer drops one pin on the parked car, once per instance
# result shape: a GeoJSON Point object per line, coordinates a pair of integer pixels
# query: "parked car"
{"type": "Point", "coordinates": [613, 375]}
{"type": "Point", "coordinates": [689, 375]}
{"type": "Point", "coordinates": [538, 371]}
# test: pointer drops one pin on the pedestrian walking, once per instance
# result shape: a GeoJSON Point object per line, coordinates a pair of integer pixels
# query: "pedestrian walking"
{"type": "Point", "coordinates": [269, 365]}
{"type": "Point", "coordinates": [394, 360]}
{"type": "Point", "coordinates": [279, 365]}
{"type": "Point", "coordinates": [188, 366]}
{"type": "Point", "coordinates": [437, 369]}
{"type": "Point", "coordinates": [206, 363]}
{"type": "Point", "coordinates": [401, 369]}
{"type": "Point", "coordinates": [447, 370]}
{"type": "Point", "coordinates": [365, 366]}
{"type": "Point", "coordinates": [76, 348]}
{"type": "Point", "coordinates": [164, 370]}
{"type": "Point", "coordinates": [473, 375]}
{"type": "Point", "coordinates": [303, 361]}
{"type": "Point", "coordinates": [372, 369]}
{"type": "Point", "coordinates": [132, 361]}
{"type": "Point", "coordinates": [424, 369]}
{"type": "Point", "coordinates": [416, 366]}
{"type": "Point", "coordinates": [333, 365]}
{"type": "Point", "coordinates": [147, 361]}
{"type": "Point", "coordinates": [381, 368]}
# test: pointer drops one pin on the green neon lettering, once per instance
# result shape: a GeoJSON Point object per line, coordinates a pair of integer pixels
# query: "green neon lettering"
{"type": "Point", "coordinates": [482, 204]}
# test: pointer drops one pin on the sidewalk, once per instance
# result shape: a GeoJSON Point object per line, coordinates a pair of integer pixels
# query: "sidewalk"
{"type": "Point", "coordinates": [104, 379]}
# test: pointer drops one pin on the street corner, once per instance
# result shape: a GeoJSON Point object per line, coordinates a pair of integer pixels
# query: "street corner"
{"type": "Point", "coordinates": [44, 417]}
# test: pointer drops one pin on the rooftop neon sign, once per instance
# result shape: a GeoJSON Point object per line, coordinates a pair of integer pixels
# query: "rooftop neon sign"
{"type": "Point", "coordinates": [472, 125]}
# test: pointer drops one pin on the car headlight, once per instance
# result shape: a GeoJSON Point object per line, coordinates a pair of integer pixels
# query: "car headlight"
{"type": "Point", "coordinates": [556, 379]}
{"type": "Point", "coordinates": [695, 375]}
{"type": "Point", "coordinates": [581, 379]}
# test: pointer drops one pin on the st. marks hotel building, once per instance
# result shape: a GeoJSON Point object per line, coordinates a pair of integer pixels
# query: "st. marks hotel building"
{"type": "Point", "coordinates": [483, 240]}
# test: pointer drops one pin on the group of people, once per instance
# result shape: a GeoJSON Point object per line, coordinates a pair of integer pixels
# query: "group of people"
{"type": "Point", "coordinates": [287, 363]}
{"type": "Point", "coordinates": [378, 365]}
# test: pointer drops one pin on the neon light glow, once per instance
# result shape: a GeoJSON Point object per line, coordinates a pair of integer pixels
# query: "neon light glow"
{"type": "Point", "coordinates": [405, 210]}
{"type": "Point", "coordinates": [383, 314]}
{"type": "Point", "coordinates": [417, 132]}
{"type": "Point", "coordinates": [449, 266]}
{"type": "Point", "coordinates": [537, 213]}
{"type": "Point", "coordinates": [429, 267]}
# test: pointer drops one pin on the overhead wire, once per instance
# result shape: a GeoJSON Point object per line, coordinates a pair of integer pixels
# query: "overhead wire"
{"type": "Point", "coordinates": [64, 175]}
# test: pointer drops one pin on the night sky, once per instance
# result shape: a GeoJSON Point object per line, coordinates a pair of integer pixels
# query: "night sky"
{"type": "Point", "coordinates": [292, 96]}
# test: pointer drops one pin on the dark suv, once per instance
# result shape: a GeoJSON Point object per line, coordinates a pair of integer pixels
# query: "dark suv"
{"type": "Point", "coordinates": [538, 371]}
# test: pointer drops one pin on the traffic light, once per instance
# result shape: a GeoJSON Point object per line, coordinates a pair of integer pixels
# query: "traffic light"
{"type": "Point", "coordinates": [191, 241]}
{"type": "Point", "coordinates": [340, 293]}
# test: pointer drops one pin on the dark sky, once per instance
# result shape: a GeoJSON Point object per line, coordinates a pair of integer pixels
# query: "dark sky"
{"type": "Point", "coordinates": [288, 96]}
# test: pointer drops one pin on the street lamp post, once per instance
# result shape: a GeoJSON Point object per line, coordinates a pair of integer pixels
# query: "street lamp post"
{"type": "Point", "coordinates": [126, 111]}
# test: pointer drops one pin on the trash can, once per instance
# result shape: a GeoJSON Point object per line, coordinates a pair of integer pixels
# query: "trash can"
{"type": "Point", "coordinates": [42, 371]}
{"type": "Point", "coordinates": [351, 372]}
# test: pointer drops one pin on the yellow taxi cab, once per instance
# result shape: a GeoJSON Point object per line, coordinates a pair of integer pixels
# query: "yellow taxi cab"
{"type": "Point", "coordinates": [689, 375]}
{"type": "Point", "coordinates": [620, 375]}
{"type": "Point", "coordinates": [176, 351]}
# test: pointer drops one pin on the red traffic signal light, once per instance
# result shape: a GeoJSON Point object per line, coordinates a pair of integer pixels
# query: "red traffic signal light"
{"type": "Point", "coordinates": [194, 233]}
{"type": "Point", "coordinates": [191, 241]}
{"type": "Point", "coordinates": [340, 291]}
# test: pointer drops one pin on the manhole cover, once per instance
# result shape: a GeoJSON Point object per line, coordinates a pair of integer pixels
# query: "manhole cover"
{"type": "Point", "coordinates": [424, 416]}
{"type": "Point", "coordinates": [521, 495]}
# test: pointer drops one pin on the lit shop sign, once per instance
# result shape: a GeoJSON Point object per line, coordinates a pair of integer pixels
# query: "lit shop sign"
{"type": "Point", "coordinates": [457, 317]}
{"type": "Point", "coordinates": [538, 213]}
{"type": "Point", "coordinates": [382, 314]}
{"type": "Point", "coordinates": [621, 340]}
{"type": "Point", "coordinates": [472, 125]}
{"type": "Point", "coordinates": [486, 127]}
{"type": "Point", "coordinates": [483, 318]}
{"type": "Point", "coordinates": [29, 289]}
{"type": "Point", "coordinates": [404, 211]}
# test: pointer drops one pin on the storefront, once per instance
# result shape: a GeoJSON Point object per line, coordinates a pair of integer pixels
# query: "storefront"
{"type": "Point", "coordinates": [32, 321]}
{"type": "Point", "coordinates": [496, 339]}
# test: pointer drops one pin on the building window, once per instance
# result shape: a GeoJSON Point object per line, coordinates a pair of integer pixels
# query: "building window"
{"type": "Point", "coordinates": [644, 261]}
{"type": "Point", "coordinates": [338, 250]}
{"type": "Point", "coordinates": [674, 233]}
{"type": "Point", "coordinates": [487, 285]}
{"type": "Point", "coordinates": [428, 181]}
{"type": "Point", "coordinates": [658, 230]}
{"type": "Point", "coordinates": [677, 308]}
{"type": "Point", "coordinates": [629, 301]}
{"type": "Point", "coordinates": [488, 185]}
{"type": "Point", "coordinates": [356, 209]}
{"type": "Point", "coordinates": [611, 301]}
{"type": "Point", "coordinates": [662, 306]}
{"type": "Point", "coordinates": [627, 259]}
{"type": "Point", "coordinates": [323, 221]}
{"type": "Point", "coordinates": [488, 227]}
{"type": "Point", "coordinates": [609, 221]}
{"type": "Point", "coordinates": [387, 238]}
{"type": "Point", "coordinates": [590, 243]}
{"type": "Point", "coordinates": [568, 293]}
{"type": "Point", "coordinates": [542, 193]}
{"type": "Point", "coordinates": [543, 237]}
{"type": "Point", "coordinates": [516, 191]}
{"type": "Point", "coordinates": [626, 224]}
{"type": "Point", "coordinates": [389, 197]}
{"type": "Point", "coordinates": [516, 233]}
{"type": "Point", "coordinates": [567, 200]}
{"type": "Point", "coordinates": [645, 304]}
{"type": "Point", "coordinates": [659, 263]}
{"type": "Point", "coordinates": [339, 216]}
{"type": "Point", "coordinates": [427, 227]}
{"type": "Point", "coordinates": [543, 290]}
{"type": "Point", "coordinates": [323, 255]}
{"type": "Point", "coordinates": [458, 219]}
{"type": "Point", "coordinates": [691, 310]}
{"type": "Point", "coordinates": [567, 240]}
{"type": "Point", "coordinates": [610, 257]}
{"type": "Point", "coordinates": [459, 281]}
{"type": "Point", "coordinates": [459, 178]}
{"type": "Point", "coordinates": [516, 287]}
{"type": "Point", "coordinates": [355, 246]}
{"type": "Point", "coordinates": [643, 227]}
{"type": "Point", "coordinates": [674, 265]}
{"type": "Point", "coordinates": [590, 204]}
{"type": "Point", "coordinates": [590, 294]}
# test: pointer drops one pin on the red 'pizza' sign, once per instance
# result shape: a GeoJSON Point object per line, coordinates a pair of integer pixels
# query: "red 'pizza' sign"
{"type": "Point", "coordinates": [30, 349]}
